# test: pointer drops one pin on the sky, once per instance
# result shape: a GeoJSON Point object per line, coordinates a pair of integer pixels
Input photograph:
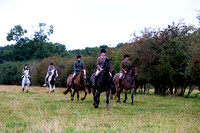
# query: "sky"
{"type": "Point", "coordinates": [89, 23]}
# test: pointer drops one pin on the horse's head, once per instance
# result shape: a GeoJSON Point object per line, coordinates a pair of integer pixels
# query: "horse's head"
{"type": "Point", "coordinates": [84, 72]}
{"type": "Point", "coordinates": [133, 70]}
{"type": "Point", "coordinates": [109, 64]}
{"type": "Point", "coordinates": [26, 73]}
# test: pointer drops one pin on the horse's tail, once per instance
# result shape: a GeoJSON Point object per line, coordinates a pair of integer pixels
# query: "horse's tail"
{"type": "Point", "coordinates": [66, 91]}
{"type": "Point", "coordinates": [89, 86]}
{"type": "Point", "coordinates": [113, 90]}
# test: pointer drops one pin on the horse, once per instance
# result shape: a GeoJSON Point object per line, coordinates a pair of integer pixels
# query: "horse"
{"type": "Point", "coordinates": [52, 80]}
{"type": "Point", "coordinates": [79, 84]}
{"type": "Point", "coordinates": [26, 80]}
{"type": "Point", "coordinates": [128, 83]}
{"type": "Point", "coordinates": [104, 83]}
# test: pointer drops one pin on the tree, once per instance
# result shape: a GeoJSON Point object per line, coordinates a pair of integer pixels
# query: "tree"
{"type": "Point", "coordinates": [16, 33]}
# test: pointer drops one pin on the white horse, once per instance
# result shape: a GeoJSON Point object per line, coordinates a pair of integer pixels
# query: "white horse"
{"type": "Point", "coordinates": [52, 80]}
{"type": "Point", "coordinates": [26, 80]}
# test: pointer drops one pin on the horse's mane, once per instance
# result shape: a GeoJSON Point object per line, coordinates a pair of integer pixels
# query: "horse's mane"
{"type": "Point", "coordinates": [129, 68]}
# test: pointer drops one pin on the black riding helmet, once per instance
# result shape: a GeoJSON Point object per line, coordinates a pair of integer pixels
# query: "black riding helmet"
{"type": "Point", "coordinates": [103, 51]}
{"type": "Point", "coordinates": [51, 63]}
{"type": "Point", "coordinates": [126, 55]}
{"type": "Point", "coordinates": [78, 56]}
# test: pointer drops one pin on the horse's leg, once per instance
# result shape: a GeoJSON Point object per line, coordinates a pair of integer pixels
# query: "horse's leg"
{"type": "Point", "coordinates": [77, 96]}
{"type": "Point", "coordinates": [27, 88]}
{"type": "Point", "coordinates": [118, 95]}
{"type": "Point", "coordinates": [50, 86]}
{"type": "Point", "coordinates": [94, 97]}
{"type": "Point", "coordinates": [97, 99]}
{"type": "Point", "coordinates": [85, 94]}
{"type": "Point", "coordinates": [54, 86]}
{"type": "Point", "coordinates": [22, 86]}
{"type": "Point", "coordinates": [107, 99]}
{"type": "Point", "coordinates": [47, 89]}
{"type": "Point", "coordinates": [132, 91]}
{"type": "Point", "coordinates": [72, 97]}
{"type": "Point", "coordinates": [111, 96]}
{"type": "Point", "coordinates": [125, 92]}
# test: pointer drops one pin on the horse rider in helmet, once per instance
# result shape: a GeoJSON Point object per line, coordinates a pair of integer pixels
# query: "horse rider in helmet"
{"type": "Point", "coordinates": [50, 68]}
{"type": "Point", "coordinates": [100, 63]}
{"type": "Point", "coordinates": [125, 64]}
{"type": "Point", "coordinates": [78, 65]}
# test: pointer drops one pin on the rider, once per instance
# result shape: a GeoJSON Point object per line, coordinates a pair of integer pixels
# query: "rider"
{"type": "Point", "coordinates": [100, 62]}
{"type": "Point", "coordinates": [78, 65]}
{"type": "Point", "coordinates": [50, 68]}
{"type": "Point", "coordinates": [125, 64]}
{"type": "Point", "coordinates": [24, 68]}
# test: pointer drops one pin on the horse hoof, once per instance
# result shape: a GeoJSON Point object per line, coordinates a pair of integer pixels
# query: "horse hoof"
{"type": "Point", "coordinates": [22, 89]}
{"type": "Point", "coordinates": [82, 99]}
{"type": "Point", "coordinates": [124, 101]}
{"type": "Point", "coordinates": [26, 91]}
{"type": "Point", "coordinates": [132, 103]}
{"type": "Point", "coordinates": [118, 101]}
{"type": "Point", "coordinates": [72, 99]}
{"type": "Point", "coordinates": [47, 92]}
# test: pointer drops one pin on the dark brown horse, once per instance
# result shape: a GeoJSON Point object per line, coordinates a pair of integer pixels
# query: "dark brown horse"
{"type": "Point", "coordinates": [104, 83]}
{"type": "Point", "coordinates": [79, 84]}
{"type": "Point", "coordinates": [128, 83]}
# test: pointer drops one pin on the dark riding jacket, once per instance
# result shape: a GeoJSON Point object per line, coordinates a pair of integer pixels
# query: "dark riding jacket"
{"type": "Point", "coordinates": [78, 65]}
{"type": "Point", "coordinates": [124, 66]}
{"type": "Point", "coordinates": [100, 61]}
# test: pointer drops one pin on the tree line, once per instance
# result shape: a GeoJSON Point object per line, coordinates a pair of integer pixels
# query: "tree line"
{"type": "Point", "coordinates": [168, 59]}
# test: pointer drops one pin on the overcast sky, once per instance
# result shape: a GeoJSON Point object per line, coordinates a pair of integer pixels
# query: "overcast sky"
{"type": "Point", "coordinates": [90, 23]}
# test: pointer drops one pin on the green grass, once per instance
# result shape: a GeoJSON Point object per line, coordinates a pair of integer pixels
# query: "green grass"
{"type": "Point", "coordinates": [38, 111]}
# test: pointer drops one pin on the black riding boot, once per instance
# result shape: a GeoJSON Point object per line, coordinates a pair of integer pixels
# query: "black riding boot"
{"type": "Point", "coordinates": [71, 81]}
{"type": "Point", "coordinates": [120, 82]}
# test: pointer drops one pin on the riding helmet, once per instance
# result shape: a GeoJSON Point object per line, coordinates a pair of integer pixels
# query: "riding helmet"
{"type": "Point", "coordinates": [25, 65]}
{"type": "Point", "coordinates": [126, 55]}
{"type": "Point", "coordinates": [51, 63]}
{"type": "Point", "coordinates": [103, 51]}
{"type": "Point", "coordinates": [78, 56]}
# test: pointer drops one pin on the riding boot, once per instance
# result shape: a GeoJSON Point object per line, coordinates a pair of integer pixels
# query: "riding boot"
{"type": "Point", "coordinates": [45, 84]}
{"type": "Point", "coordinates": [120, 81]}
{"type": "Point", "coordinates": [95, 81]}
{"type": "Point", "coordinates": [71, 82]}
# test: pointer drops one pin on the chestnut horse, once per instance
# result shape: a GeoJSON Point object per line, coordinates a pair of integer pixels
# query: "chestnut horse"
{"type": "Point", "coordinates": [78, 84]}
{"type": "Point", "coordinates": [128, 83]}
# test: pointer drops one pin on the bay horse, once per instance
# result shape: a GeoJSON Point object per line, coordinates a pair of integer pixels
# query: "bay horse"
{"type": "Point", "coordinates": [78, 84]}
{"type": "Point", "coordinates": [26, 80]}
{"type": "Point", "coordinates": [128, 83]}
{"type": "Point", "coordinates": [104, 83]}
{"type": "Point", "coordinates": [52, 80]}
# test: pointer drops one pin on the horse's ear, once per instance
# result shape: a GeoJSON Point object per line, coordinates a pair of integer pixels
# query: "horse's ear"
{"type": "Point", "coordinates": [110, 59]}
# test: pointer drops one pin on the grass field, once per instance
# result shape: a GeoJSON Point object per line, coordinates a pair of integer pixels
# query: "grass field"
{"type": "Point", "coordinates": [38, 111]}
